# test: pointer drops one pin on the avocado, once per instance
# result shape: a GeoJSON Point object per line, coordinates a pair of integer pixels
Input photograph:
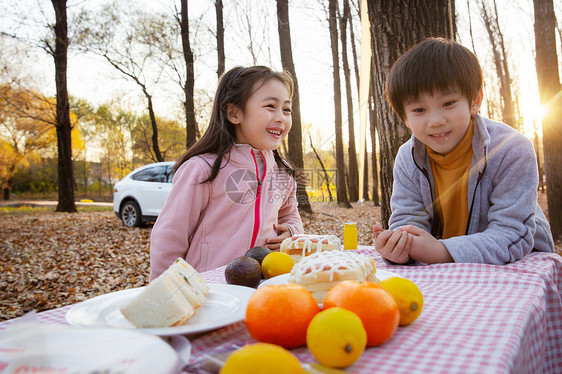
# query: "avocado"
{"type": "Point", "coordinates": [243, 271]}
{"type": "Point", "coordinates": [258, 253]}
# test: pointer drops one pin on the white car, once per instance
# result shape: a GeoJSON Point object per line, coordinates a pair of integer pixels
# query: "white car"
{"type": "Point", "coordinates": [140, 196]}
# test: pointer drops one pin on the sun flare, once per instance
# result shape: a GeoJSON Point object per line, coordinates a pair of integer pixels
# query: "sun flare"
{"type": "Point", "coordinates": [540, 112]}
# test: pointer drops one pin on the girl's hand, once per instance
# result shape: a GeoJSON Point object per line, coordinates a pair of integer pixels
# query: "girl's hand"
{"type": "Point", "coordinates": [275, 243]}
{"type": "Point", "coordinates": [394, 245]}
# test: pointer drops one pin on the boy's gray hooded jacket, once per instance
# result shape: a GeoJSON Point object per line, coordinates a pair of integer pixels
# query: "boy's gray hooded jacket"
{"type": "Point", "coordinates": [505, 221]}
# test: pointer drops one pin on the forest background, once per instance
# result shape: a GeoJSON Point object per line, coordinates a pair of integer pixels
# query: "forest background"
{"type": "Point", "coordinates": [141, 76]}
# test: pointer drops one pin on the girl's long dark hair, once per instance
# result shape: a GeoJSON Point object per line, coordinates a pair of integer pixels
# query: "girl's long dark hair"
{"type": "Point", "coordinates": [235, 87]}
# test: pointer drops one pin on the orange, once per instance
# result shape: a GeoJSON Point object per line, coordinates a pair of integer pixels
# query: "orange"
{"type": "Point", "coordinates": [280, 314]}
{"type": "Point", "coordinates": [376, 308]}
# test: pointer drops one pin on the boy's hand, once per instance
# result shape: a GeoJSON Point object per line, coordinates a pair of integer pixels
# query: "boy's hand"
{"type": "Point", "coordinates": [425, 247]}
{"type": "Point", "coordinates": [394, 245]}
{"type": "Point", "coordinates": [377, 229]}
{"type": "Point", "coordinates": [275, 243]}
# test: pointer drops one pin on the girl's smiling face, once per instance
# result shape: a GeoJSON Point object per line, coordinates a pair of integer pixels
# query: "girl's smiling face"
{"type": "Point", "coordinates": [266, 118]}
{"type": "Point", "coordinates": [441, 119]}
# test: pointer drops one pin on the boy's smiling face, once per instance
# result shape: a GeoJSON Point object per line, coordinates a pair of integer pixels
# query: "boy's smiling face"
{"type": "Point", "coordinates": [440, 119]}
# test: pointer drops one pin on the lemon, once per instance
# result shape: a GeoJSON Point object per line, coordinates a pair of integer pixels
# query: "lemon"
{"type": "Point", "coordinates": [407, 295]}
{"type": "Point", "coordinates": [262, 358]}
{"type": "Point", "coordinates": [276, 263]}
{"type": "Point", "coordinates": [336, 337]}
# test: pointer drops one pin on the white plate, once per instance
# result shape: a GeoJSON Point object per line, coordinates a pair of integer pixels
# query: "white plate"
{"type": "Point", "coordinates": [225, 304]}
{"type": "Point", "coordinates": [34, 347]}
{"type": "Point", "coordinates": [284, 278]}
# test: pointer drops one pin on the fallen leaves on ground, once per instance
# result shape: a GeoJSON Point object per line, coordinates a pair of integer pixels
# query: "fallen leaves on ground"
{"type": "Point", "coordinates": [54, 259]}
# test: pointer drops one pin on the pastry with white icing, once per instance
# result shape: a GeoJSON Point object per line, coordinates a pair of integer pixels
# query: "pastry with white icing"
{"type": "Point", "coordinates": [320, 271]}
{"type": "Point", "coordinates": [302, 245]}
{"type": "Point", "coordinates": [169, 300]}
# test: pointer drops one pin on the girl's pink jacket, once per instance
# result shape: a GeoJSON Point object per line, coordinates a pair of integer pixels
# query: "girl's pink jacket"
{"type": "Point", "coordinates": [210, 224]}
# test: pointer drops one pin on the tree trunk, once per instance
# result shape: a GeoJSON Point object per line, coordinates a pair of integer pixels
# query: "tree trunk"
{"type": "Point", "coordinates": [373, 123]}
{"type": "Point", "coordinates": [366, 173]}
{"type": "Point", "coordinates": [352, 39]}
{"type": "Point", "coordinates": [396, 26]}
{"type": "Point", "coordinates": [549, 90]}
{"type": "Point", "coordinates": [295, 135]}
{"type": "Point", "coordinates": [191, 125]}
{"type": "Point", "coordinates": [353, 180]}
{"type": "Point", "coordinates": [63, 126]}
{"type": "Point", "coordinates": [340, 164]}
{"type": "Point", "coordinates": [470, 27]}
{"type": "Point", "coordinates": [500, 60]}
{"type": "Point", "coordinates": [154, 125]}
{"type": "Point", "coordinates": [536, 143]}
{"type": "Point", "coordinates": [220, 38]}
{"type": "Point", "coordinates": [356, 71]}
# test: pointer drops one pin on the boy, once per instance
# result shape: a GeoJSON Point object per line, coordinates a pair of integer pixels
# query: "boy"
{"type": "Point", "coordinates": [465, 187]}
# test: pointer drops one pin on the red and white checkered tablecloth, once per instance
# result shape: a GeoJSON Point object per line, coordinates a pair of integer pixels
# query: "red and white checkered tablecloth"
{"type": "Point", "coordinates": [476, 319]}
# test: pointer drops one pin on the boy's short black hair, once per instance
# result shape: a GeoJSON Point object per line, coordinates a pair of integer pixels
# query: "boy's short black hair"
{"type": "Point", "coordinates": [433, 65]}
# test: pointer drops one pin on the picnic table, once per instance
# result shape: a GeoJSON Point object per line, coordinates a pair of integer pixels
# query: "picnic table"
{"type": "Point", "coordinates": [476, 318]}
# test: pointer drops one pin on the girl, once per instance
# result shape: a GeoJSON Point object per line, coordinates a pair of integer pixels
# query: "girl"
{"type": "Point", "coordinates": [231, 190]}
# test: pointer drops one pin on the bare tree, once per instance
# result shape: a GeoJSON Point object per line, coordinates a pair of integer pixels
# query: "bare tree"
{"type": "Point", "coordinates": [130, 52]}
{"type": "Point", "coordinates": [549, 90]}
{"type": "Point", "coordinates": [343, 201]}
{"type": "Point", "coordinates": [295, 135]}
{"type": "Point", "coordinates": [191, 125]}
{"type": "Point", "coordinates": [56, 44]}
{"type": "Point", "coordinates": [353, 179]}
{"type": "Point", "coordinates": [254, 28]}
{"type": "Point", "coordinates": [220, 38]}
{"type": "Point", "coordinates": [470, 26]}
{"type": "Point", "coordinates": [491, 23]}
{"type": "Point", "coordinates": [366, 173]}
{"type": "Point", "coordinates": [396, 26]}
{"type": "Point", "coordinates": [347, 11]}
{"type": "Point", "coordinates": [538, 153]}
{"type": "Point", "coordinates": [63, 126]}
{"type": "Point", "coordinates": [356, 70]}
{"type": "Point", "coordinates": [373, 131]}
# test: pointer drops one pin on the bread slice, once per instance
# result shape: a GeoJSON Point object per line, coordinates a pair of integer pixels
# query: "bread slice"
{"type": "Point", "coordinates": [188, 280]}
{"type": "Point", "coordinates": [169, 300]}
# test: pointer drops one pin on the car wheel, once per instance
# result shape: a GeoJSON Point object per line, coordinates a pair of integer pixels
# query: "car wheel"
{"type": "Point", "coordinates": [131, 214]}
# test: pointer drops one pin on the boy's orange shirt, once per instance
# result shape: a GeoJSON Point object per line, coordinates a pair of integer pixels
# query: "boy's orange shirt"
{"type": "Point", "coordinates": [450, 173]}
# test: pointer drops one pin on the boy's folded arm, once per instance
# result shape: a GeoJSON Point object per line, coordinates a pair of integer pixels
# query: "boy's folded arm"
{"type": "Point", "coordinates": [488, 247]}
